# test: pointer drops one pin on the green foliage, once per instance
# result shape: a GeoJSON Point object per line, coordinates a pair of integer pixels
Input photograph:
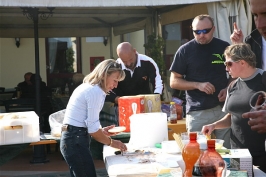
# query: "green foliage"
{"type": "Point", "coordinates": [69, 60]}
{"type": "Point", "coordinates": [154, 47]}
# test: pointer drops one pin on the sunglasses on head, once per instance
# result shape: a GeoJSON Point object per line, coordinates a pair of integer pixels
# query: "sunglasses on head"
{"type": "Point", "coordinates": [204, 31]}
{"type": "Point", "coordinates": [230, 63]}
{"type": "Point", "coordinates": [116, 65]}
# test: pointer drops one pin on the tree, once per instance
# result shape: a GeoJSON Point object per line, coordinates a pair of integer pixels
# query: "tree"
{"type": "Point", "coordinates": [154, 47]}
{"type": "Point", "coordinates": [69, 60]}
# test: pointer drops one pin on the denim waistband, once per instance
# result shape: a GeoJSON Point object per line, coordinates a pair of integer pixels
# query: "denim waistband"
{"type": "Point", "coordinates": [72, 127]}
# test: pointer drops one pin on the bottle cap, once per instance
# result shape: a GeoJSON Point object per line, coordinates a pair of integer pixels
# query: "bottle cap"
{"type": "Point", "coordinates": [211, 143]}
{"type": "Point", "coordinates": [193, 135]}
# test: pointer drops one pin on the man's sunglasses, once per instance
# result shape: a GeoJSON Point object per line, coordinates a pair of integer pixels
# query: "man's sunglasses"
{"type": "Point", "coordinates": [230, 63]}
{"type": "Point", "coordinates": [204, 31]}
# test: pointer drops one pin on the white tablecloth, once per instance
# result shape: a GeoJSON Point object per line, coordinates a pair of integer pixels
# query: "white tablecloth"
{"type": "Point", "coordinates": [118, 165]}
{"type": "Point", "coordinates": [128, 166]}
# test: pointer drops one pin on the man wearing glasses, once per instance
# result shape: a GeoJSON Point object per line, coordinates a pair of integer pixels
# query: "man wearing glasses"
{"type": "Point", "coordinates": [198, 68]}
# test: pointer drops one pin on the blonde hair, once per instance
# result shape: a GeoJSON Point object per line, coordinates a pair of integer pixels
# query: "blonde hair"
{"type": "Point", "coordinates": [241, 51]}
{"type": "Point", "coordinates": [101, 71]}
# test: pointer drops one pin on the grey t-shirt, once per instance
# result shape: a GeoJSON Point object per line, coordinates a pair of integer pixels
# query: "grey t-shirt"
{"type": "Point", "coordinates": [237, 103]}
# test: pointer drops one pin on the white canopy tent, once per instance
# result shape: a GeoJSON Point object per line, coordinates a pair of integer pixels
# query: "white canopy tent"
{"type": "Point", "coordinates": [86, 18]}
{"type": "Point", "coordinates": [99, 3]}
{"type": "Point", "coordinates": [225, 13]}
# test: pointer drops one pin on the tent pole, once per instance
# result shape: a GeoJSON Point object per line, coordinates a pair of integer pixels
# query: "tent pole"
{"type": "Point", "coordinates": [37, 64]}
{"type": "Point", "coordinates": [39, 155]}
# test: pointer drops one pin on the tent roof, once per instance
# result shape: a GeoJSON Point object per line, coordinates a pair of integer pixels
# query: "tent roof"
{"type": "Point", "coordinates": [98, 3]}
{"type": "Point", "coordinates": [83, 18]}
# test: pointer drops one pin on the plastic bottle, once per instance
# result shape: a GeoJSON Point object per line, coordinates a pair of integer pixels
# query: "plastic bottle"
{"type": "Point", "coordinates": [211, 162]}
{"type": "Point", "coordinates": [190, 154]}
{"type": "Point", "coordinates": [196, 169]}
{"type": "Point", "coordinates": [173, 115]}
{"type": "Point", "coordinates": [179, 111]}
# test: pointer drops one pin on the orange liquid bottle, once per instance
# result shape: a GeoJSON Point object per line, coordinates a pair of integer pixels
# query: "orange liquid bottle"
{"type": "Point", "coordinates": [190, 154]}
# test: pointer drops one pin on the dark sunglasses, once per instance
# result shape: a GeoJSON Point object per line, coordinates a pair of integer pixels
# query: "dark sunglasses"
{"type": "Point", "coordinates": [204, 31]}
{"type": "Point", "coordinates": [230, 63]}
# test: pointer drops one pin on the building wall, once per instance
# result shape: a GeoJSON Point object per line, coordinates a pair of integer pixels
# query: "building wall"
{"type": "Point", "coordinates": [15, 62]}
{"type": "Point", "coordinates": [137, 40]}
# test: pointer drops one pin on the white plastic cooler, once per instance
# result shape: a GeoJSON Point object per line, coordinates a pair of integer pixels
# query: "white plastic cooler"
{"type": "Point", "coordinates": [19, 128]}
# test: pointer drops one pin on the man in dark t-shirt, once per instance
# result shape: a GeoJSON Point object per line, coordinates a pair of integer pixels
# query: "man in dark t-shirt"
{"type": "Point", "coordinates": [198, 68]}
{"type": "Point", "coordinates": [25, 86]}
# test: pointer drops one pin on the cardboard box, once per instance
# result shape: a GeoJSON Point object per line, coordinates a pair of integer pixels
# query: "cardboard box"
{"type": "Point", "coordinates": [19, 128]}
{"type": "Point", "coordinates": [128, 105]}
{"type": "Point", "coordinates": [152, 103]}
{"type": "Point", "coordinates": [239, 159]}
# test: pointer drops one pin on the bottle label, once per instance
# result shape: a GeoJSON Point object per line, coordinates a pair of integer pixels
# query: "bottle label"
{"type": "Point", "coordinates": [173, 116]}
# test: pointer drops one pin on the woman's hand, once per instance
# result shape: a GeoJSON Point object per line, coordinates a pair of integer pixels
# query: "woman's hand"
{"type": "Point", "coordinates": [207, 129]}
{"type": "Point", "coordinates": [119, 145]}
{"type": "Point", "coordinates": [105, 130]}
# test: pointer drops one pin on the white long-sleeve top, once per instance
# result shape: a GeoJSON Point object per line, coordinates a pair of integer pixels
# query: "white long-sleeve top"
{"type": "Point", "coordinates": [84, 107]}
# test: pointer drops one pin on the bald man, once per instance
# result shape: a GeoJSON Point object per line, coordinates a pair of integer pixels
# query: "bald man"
{"type": "Point", "coordinates": [141, 72]}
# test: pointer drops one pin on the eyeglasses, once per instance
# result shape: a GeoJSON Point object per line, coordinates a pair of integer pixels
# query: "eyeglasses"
{"type": "Point", "coordinates": [230, 63]}
{"type": "Point", "coordinates": [204, 31]}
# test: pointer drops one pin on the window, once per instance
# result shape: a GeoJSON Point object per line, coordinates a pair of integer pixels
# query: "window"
{"type": "Point", "coordinates": [63, 60]}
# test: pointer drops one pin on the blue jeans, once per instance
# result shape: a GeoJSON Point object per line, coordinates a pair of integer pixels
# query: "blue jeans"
{"type": "Point", "coordinates": [75, 148]}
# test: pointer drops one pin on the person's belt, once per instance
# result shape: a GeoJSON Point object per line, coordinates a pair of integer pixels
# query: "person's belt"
{"type": "Point", "coordinates": [71, 127]}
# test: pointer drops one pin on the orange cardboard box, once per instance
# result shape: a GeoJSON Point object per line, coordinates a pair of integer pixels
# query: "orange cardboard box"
{"type": "Point", "coordinates": [128, 105]}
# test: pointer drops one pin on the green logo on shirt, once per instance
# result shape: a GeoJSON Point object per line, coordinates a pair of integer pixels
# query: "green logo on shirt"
{"type": "Point", "coordinates": [220, 59]}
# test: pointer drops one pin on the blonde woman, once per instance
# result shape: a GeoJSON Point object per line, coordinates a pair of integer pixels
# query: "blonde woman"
{"type": "Point", "coordinates": [81, 121]}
